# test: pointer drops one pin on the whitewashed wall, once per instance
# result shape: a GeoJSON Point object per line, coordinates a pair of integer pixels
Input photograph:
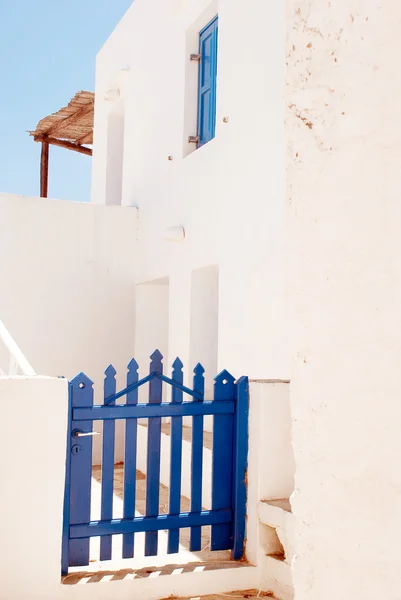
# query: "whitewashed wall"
{"type": "Point", "coordinates": [33, 422]}
{"type": "Point", "coordinates": [270, 460]}
{"type": "Point", "coordinates": [67, 272]}
{"type": "Point", "coordinates": [344, 222]}
{"type": "Point", "coordinates": [229, 194]}
{"type": "Point", "coordinates": [68, 285]}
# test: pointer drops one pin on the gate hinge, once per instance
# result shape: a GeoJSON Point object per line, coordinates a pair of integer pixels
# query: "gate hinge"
{"type": "Point", "coordinates": [196, 57]}
{"type": "Point", "coordinates": [193, 139]}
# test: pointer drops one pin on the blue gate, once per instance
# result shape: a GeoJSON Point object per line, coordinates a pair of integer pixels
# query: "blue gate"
{"type": "Point", "coordinates": [229, 409]}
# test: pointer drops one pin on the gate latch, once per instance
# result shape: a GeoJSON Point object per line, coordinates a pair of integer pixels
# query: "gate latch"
{"type": "Point", "coordinates": [193, 139]}
{"type": "Point", "coordinates": [77, 433]}
{"type": "Point", "coordinates": [195, 57]}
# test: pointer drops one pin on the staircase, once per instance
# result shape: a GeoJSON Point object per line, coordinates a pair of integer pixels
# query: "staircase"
{"type": "Point", "coordinates": [277, 533]}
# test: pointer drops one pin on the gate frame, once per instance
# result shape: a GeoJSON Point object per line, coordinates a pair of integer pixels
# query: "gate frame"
{"type": "Point", "coordinates": [235, 525]}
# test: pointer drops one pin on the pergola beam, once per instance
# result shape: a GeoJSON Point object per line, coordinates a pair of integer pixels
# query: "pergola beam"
{"type": "Point", "coordinates": [63, 144]}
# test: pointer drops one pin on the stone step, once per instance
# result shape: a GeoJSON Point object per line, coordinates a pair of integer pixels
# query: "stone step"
{"type": "Point", "coordinates": [277, 517]}
{"type": "Point", "coordinates": [277, 577]}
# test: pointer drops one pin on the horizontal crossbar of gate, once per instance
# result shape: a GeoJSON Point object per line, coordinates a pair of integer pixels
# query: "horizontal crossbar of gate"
{"type": "Point", "coordinates": [148, 378]}
{"type": "Point", "coordinates": [147, 411]}
{"type": "Point", "coordinates": [161, 522]}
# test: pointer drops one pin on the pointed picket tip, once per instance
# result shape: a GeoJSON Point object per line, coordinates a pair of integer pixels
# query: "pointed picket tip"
{"type": "Point", "coordinates": [110, 371]}
{"type": "Point", "coordinates": [156, 356]}
{"type": "Point", "coordinates": [199, 370]}
{"type": "Point", "coordinates": [132, 365]}
{"type": "Point", "coordinates": [242, 380]}
{"type": "Point", "coordinates": [177, 364]}
{"type": "Point", "coordinates": [81, 380]}
{"type": "Point", "coordinates": [224, 376]}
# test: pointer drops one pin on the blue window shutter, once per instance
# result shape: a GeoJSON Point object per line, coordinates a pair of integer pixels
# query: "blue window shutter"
{"type": "Point", "coordinates": [207, 82]}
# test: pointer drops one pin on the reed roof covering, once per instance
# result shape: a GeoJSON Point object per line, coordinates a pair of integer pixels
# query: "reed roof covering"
{"type": "Point", "coordinates": [72, 124]}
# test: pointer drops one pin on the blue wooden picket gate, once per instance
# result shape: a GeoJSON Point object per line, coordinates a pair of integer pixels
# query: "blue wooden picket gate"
{"type": "Point", "coordinates": [229, 409]}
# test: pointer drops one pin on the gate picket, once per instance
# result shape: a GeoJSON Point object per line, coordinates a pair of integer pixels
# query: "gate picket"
{"type": "Point", "coordinates": [175, 459]}
{"type": "Point", "coordinates": [240, 462]}
{"type": "Point", "coordinates": [222, 461]}
{"type": "Point", "coordinates": [130, 460]}
{"type": "Point", "coordinates": [153, 460]}
{"type": "Point", "coordinates": [197, 460]}
{"type": "Point", "coordinates": [108, 463]}
{"type": "Point", "coordinates": [80, 469]}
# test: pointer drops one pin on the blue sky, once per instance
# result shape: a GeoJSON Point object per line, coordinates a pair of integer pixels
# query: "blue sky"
{"type": "Point", "coordinates": [47, 54]}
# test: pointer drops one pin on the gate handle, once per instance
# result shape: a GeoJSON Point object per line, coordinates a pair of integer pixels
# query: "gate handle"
{"type": "Point", "coordinates": [82, 434]}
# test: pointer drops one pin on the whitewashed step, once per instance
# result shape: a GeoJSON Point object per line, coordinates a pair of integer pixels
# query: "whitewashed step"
{"type": "Point", "coordinates": [277, 515]}
{"type": "Point", "coordinates": [276, 578]}
{"type": "Point", "coordinates": [277, 538]}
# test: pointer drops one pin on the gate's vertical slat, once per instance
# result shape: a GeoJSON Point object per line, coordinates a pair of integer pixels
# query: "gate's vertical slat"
{"type": "Point", "coordinates": [67, 505]}
{"type": "Point", "coordinates": [222, 473]}
{"type": "Point", "coordinates": [197, 460]}
{"type": "Point", "coordinates": [153, 459]}
{"type": "Point", "coordinates": [130, 461]}
{"type": "Point", "coordinates": [175, 459]}
{"type": "Point", "coordinates": [81, 470]}
{"type": "Point", "coordinates": [240, 450]}
{"type": "Point", "coordinates": [108, 464]}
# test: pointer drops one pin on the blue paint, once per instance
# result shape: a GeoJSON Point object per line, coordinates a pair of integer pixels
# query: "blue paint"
{"type": "Point", "coordinates": [129, 388]}
{"type": "Point", "coordinates": [222, 461]}
{"type": "Point", "coordinates": [175, 457]}
{"type": "Point", "coordinates": [197, 461]}
{"type": "Point", "coordinates": [108, 465]}
{"type": "Point", "coordinates": [229, 457]}
{"type": "Point", "coordinates": [240, 467]}
{"type": "Point", "coordinates": [207, 82]}
{"type": "Point", "coordinates": [67, 488]}
{"type": "Point", "coordinates": [146, 379]}
{"type": "Point", "coordinates": [153, 460]}
{"type": "Point", "coordinates": [81, 470]}
{"type": "Point", "coordinates": [161, 522]}
{"type": "Point", "coordinates": [130, 460]}
{"type": "Point", "coordinates": [142, 411]}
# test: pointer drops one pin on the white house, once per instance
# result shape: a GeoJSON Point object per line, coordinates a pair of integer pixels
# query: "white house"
{"type": "Point", "coordinates": [209, 272]}
{"type": "Point", "coordinates": [245, 214]}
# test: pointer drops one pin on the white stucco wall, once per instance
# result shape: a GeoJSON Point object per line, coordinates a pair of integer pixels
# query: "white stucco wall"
{"type": "Point", "coordinates": [229, 194]}
{"type": "Point", "coordinates": [68, 285]}
{"type": "Point", "coordinates": [33, 422]}
{"type": "Point", "coordinates": [67, 295]}
{"type": "Point", "coordinates": [344, 222]}
{"type": "Point", "coordinates": [270, 457]}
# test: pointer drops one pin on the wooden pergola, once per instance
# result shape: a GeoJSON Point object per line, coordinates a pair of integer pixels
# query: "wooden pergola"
{"type": "Point", "coordinates": [71, 128]}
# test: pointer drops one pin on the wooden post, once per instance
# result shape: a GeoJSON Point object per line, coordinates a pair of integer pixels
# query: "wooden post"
{"type": "Point", "coordinates": [44, 170]}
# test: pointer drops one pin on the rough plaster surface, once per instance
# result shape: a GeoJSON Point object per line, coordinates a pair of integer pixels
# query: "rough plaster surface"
{"type": "Point", "coordinates": [343, 131]}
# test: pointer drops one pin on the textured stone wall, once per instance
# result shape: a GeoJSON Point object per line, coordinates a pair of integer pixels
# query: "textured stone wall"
{"type": "Point", "coordinates": [343, 128]}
